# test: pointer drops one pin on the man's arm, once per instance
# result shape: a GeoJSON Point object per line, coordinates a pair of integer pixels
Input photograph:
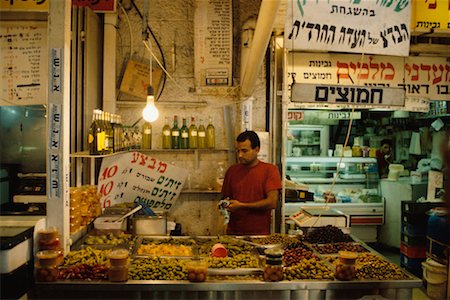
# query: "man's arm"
{"type": "Point", "coordinates": [268, 203]}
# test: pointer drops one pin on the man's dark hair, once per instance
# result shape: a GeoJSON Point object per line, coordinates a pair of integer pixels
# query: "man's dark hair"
{"type": "Point", "coordinates": [386, 141]}
{"type": "Point", "coordinates": [251, 136]}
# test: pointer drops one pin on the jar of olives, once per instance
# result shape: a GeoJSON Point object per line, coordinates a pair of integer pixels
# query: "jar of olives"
{"type": "Point", "coordinates": [345, 269]}
{"type": "Point", "coordinates": [273, 269]}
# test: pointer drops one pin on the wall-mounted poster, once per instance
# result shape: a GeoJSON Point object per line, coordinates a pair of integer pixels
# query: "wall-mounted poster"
{"type": "Point", "coordinates": [375, 27]}
{"type": "Point", "coordinates": [213, 42]}
{"type": "Point", "coordinates": [23, 63]}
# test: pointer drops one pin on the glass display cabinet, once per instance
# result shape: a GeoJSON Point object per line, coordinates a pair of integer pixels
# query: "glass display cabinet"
{"type": "Point", "coordinates": [350, 185]}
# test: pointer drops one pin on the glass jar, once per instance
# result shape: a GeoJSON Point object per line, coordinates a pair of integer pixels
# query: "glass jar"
{"type": "Point", "coordinates": [345, 269]}
{"type": "Point", "coordinates": [273, 269]}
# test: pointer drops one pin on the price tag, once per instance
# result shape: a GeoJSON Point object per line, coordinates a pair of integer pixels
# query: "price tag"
{"type": "Point", "coordinates": [295, 115]}
{"type": "Point", "coordinates": [133, 177]}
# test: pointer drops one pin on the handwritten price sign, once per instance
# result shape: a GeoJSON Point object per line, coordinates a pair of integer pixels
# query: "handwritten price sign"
{"type": "Point", "coordinates": [133, 177]}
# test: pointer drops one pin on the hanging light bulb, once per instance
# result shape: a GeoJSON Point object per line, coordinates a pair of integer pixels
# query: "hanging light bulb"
{"type": "Point", "coordinates": [150, 112]}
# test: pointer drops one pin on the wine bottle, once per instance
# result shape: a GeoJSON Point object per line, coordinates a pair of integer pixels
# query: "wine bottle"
{"type": "Point", "coordinates": [175, 134]}
{"type": "Point", "coordinates": [210, 135]}
{"type": "Point", "coordinates": [184, 133]}
{"type": "Point", "coordinates": [166, 139]}
{"type": "Point", "coordinates": [193, 136]}
{"type": "Point", "coordinates": [146, 136]}
{"type": "Point", "coordinates": [92, 136]}
{"type": "Point", "coordinates": [201, 135]}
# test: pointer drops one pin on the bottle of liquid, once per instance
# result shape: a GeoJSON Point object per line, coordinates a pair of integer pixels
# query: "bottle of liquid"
{"type": "Point", "coordinates": [166, 138]}
{"type": "Point", "coordinates": [210, 135]}
{"type": "Point", "coordinates": [109, 133]}
{"type": "Point", "coordinates": [220, 175]}
{"type": "Point", "coordinates": [201, 135]}
{"type": "Point", "coordinates": [175, 134]}
{"type": "Point", "coordinates": [184, 136]}
{"type": "Point", "coordinates": [193, 135]}
{"type": "Point", "coordinates": [146, 135]}
{"type": "Point", "coordinates": [93, 134]}
{"type": "Point", "coordinates": [101, 135]}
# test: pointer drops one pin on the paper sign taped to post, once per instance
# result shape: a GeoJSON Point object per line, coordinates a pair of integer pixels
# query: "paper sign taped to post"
{"type": "Point", "coordinates": [136, 177]}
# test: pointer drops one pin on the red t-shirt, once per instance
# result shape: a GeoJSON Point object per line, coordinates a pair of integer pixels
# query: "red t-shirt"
{"type": "Point", "coordinates": [249, 185]}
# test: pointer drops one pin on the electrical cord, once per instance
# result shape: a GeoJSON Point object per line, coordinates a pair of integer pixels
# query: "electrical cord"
{"type": "Point", "coordinates": [159, 48]}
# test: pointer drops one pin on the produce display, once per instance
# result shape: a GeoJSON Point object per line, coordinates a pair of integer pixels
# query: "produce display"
{"type": "Point", "coordinates": [108, 239]}
{"type": "Point", "coordinates": [171, 258]}
{"type": "Point", "coordinates": [164, 250]}
{"type": "Point", "coordinates": [153, 268]}
{"type": "Point", "coordinates": [243, 260]}
{"type": "Point", "coordinates": [327, 234]}
{"type": "Point", "coordinates": [87, 256]}
{"type": "Point", "coordinates": [336, 247]}
{"type": "Point", "coordinates": [312, 268]}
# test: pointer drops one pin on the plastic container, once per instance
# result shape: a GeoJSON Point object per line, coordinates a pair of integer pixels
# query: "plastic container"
{"type": "Point", "coordinates": [46, 273]}
{"type": "Point", "coordinates": [438, 232]}
{"type": "Point", "coordinates": [48, 239]}
{"type": "Point", "coordinates": [345, 269]}
{"type": "Point", "coordinates": [118, 273]}
{"type": "Point", "coordinates": [118, 258]}
{"type": "Point", "coordinates": [107, 223]}
{"type": "Point", "coordinates": [436, 276]}
{"type": "Point", "coordinates": [273, 269]}
{"type": "Point", "coordinates": [48, 258]}
{"type": "Point", "coordinates": [197, 270]}
{"type": "Point", "coordinates": [219, 250]}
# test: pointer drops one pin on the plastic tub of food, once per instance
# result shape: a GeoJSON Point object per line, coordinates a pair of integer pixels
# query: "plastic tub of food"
{"type": "Point", "coordinates": [107, 223]}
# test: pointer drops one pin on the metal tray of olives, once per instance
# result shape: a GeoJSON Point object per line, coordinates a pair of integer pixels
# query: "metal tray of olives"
{"type": "Point", "coordinates": [103, 241]}
{"type": "Point", "coordinates": [234, 272]}
{"type": "Point", "coordinates": [334, 248]}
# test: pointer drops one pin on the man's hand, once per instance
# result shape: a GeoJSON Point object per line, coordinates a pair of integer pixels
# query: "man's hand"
{"type": "Point", "coordinates": [234, 205]}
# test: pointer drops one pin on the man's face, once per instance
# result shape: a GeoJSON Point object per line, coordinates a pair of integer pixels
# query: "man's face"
{"type": "Point", "coordinates": [386, 149]}
{"type": "Point", "coordinates": [245, 154]}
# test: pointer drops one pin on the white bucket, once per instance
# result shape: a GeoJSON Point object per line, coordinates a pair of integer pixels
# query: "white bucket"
{"type": "Point", "coordinates": [436, 276]}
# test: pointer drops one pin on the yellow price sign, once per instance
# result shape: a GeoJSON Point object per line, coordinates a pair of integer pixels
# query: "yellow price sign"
{"type": "Point", "coordinates": [24, 5]}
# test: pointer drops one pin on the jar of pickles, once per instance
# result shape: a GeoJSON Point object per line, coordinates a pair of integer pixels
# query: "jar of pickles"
{"type": "Point", "coordinates": [273, 269]}
{"type": "Point", "coordinates": [345, 269]}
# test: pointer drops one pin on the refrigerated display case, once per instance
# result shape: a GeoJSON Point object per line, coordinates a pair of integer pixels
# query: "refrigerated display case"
{"type": "Point", "coordinates": [307, 140]}
{"type": "Point", "coordinates": [349, 183]}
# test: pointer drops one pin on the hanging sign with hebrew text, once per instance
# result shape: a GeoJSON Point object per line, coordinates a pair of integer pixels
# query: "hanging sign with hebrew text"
{"type": "Point", "coordinates": [136, 177]}
{"type": "Point", "coordinates": [375, 27]}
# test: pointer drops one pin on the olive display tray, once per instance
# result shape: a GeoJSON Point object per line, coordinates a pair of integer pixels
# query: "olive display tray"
{"type": "Point", "coordinates": [313, 246]}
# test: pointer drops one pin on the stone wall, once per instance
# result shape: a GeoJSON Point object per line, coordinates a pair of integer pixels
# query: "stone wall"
{"type": "Point", "coordinates": [172, 22]}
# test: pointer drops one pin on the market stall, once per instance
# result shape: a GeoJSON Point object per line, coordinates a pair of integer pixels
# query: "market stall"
{"type": "Point", "coordinates": [313, 266]}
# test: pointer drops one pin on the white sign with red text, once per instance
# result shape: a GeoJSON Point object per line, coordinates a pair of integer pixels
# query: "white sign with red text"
{"type": "Point", "coordinates": [421, 76]}
{"type": "Point", "coordinates": [136, 177]}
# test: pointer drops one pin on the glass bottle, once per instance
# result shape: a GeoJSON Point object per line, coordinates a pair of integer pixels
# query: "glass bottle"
{"type": "Point", "coordinates": [201, 135]}
{"type": "Point", "coordinates": [210, 135]}
{"type": "Point", "coordinates": [166, 139]}
{"type": "Point", "coordinates": [146, 135]}
{"type": "Point", "coordinates": [92, 136]}
{"type": "Point", "coordinates": [193, 135]}
{"type": "Point", "coordinates": [110, 133]}
{"type": "Point", "coordinates": [175, 134]}
{"type": "Point", "coordinates": [101, 134]}
{"type": "Point", "coordinates": [184, 133]}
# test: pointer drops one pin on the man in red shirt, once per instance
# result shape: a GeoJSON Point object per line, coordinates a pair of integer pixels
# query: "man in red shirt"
{"type": "Point", "coordinates": [384, 157]}
{"type": "Point", "coordinates": [252, 187]}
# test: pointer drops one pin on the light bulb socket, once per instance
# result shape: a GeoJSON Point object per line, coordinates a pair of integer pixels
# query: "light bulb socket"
{"type": "Point", "coordinates": [150, 90]}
